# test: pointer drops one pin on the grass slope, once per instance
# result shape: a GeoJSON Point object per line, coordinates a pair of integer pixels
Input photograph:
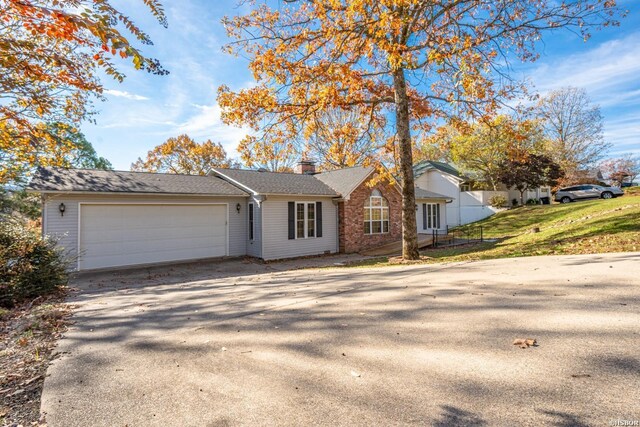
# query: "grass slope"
{"type": "Point", "coordinates": [596, 226]}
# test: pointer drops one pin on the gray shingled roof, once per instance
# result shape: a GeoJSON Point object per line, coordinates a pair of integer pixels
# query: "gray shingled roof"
{"type": "Point", "coordinates": [426, 194]}
{"type": "Point", "coordinates": [344, 181]}
{"type": "Point", "coordinates": [278, 183]}
{"type": "Point", "coordinates": [101, 181]}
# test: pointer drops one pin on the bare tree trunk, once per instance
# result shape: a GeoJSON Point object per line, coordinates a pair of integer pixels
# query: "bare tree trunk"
{"type": "Point", "coordinates": [409, 226]}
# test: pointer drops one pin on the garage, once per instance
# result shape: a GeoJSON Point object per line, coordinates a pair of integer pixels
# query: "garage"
{"type": "Point", "coordinates": [113, 235]}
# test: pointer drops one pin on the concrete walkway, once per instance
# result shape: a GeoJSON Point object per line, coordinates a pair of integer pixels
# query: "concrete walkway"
{"type": "Point", "coordinates": [403, 345]}
{"type": "Point", "coordinates": [395, 248]}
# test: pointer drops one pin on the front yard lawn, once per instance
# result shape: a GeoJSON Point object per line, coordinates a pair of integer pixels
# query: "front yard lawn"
{"type": "Point", "coordinates": [595, 226]}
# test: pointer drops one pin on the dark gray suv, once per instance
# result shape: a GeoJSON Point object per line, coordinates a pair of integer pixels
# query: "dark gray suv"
{"type": "Point", "coordinates": [578, 192]}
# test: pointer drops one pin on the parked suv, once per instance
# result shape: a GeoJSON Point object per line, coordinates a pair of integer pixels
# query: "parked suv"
{"type": "Point", "coordinates": [577, 192]}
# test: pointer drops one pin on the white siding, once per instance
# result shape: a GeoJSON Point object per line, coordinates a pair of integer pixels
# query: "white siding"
{"type": "Point", "coordinates": [469, 214]}
{"type": "Point", "coordinates": [254, 247]}
{"type": "Point", "coordinates": [475, 205]}
{"type": "Point", "coordinates": [535, 193]}
{"type": "Point", "coordinates": [446, 185]}
{"type": "Point", "coordinates": [65, 228]}
{"type": "Point", "coordinates": [275, 231]}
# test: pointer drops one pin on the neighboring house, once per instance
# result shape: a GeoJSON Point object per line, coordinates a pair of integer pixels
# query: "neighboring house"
{"type": "Point", "coordinates": [591, 175]}
{"type": "Point", "coordinates": [464, 205]}
{"type": "Point", "coordinates": [114, 218]}
{"type": "Point", "coordinates": [441, 178]}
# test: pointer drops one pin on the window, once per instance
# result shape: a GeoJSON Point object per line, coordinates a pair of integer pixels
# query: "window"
{"type": "Point", "coordinates": [250, 221]}
{"type": "Point", "coordinates": [430, 216]}
{"type": "Point", "coordinates": [465, 186]}
{"type": "Point", "coordinates": [305, 220]}
{"type": "Point", "coordinates": [311, 219]}
{"type": "Point", "coordinates": [376, 214]}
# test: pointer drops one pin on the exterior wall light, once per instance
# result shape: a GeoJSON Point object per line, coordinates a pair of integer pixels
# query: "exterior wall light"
{"type": "Point", "coordinates": [62, 208]}
{"type": "Point", "coordinates": [238, 207]}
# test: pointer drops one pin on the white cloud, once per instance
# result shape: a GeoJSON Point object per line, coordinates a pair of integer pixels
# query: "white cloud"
{"type": "Point", "coordinates": [611, 64]}
{"type": "Point", "coordinates": [207, 124]}
{"type": "Point", "coordinates": [125, 94]}
{"type": "Point", "coordinates": [609, 72]}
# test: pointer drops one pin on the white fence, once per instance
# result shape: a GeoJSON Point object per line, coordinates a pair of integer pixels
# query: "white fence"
{"type": "Point", "coordinates": [474, 205]}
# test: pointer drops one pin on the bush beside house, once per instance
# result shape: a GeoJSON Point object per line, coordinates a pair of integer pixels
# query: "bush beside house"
{"type": "Point", "coordinates": [30, 265]}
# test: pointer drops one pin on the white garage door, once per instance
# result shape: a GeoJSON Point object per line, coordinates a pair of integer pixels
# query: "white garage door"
{"type": "Point", "coordinates": [129, 234]}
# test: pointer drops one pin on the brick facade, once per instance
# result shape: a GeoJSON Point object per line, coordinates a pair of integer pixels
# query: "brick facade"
{"type": "Point", "coordinates": [351, 218]}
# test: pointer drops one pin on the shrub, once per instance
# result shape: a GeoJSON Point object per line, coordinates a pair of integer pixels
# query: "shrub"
{"type": "Point", "coordinates": [498, 201]}
{"type": "Point", "coordinates": [514, 202]}
{"type": "Point", "coordinates": [533, 202]}
{"type": "Point", "coordinates": [30, 266]}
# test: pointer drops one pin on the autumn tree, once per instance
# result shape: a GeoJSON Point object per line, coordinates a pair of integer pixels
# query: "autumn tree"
{"type": "Point", "coordinates": [51, 55]}
{"type": "Point", "coordinates": [278, 155]}
{"type": "Point", "coordinates": [338, 139]}
{"type": "Point", "coordinates": [71, 149]}
{"type": "Point", "coordinates": [529, 172]}
{"type": "Point", "coordinates": [62, 145]}
{"type": "Point", "coordinates": [574, 130]}
{"type": "Point", "coordinates": [481, 148]}
{"type": "Point", "coordinates": [183, 155]}
{"type": "Point", "coordinates": [413, 62]}
{"type": "Point", "coordinates": [621, 169]}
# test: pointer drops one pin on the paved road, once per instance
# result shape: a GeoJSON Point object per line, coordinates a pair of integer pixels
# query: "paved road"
{"type": "Point", "coordinates": [422, 345]}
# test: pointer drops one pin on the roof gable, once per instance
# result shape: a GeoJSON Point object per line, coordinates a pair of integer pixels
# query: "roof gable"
{"type": "Point", "coordinates": [109, 181]}
{"type": "Point", "coordinates": [263, 182]}
{"type": "Point", "coordinates": [425, 166]}
{"type": "Point", "coordinates": [345, 181]}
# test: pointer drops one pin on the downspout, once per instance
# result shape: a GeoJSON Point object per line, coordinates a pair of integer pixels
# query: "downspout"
{"type": "Point", "coordinates": [337, 205]}
{"type": "Point", "coordinates": [459, 205]}
{"type": "Point", "coordinates": [43, 210]}
{"type": "Point", "coordinates": [261, 201]}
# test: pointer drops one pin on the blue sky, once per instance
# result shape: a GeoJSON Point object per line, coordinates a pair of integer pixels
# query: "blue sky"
{"type": "Point", "coordinates": [145, 110]}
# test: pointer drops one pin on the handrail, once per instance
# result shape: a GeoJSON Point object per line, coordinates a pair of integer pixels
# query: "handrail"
{"type": "Point", "coordinates": [468, 233]}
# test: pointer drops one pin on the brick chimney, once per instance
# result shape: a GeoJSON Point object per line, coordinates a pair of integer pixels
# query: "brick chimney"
{"type": "Point", "coordinates": [306, 167]}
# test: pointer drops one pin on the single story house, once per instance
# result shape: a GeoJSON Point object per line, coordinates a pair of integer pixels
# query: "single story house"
{"type": "Point", "coordinates": [111, 219]}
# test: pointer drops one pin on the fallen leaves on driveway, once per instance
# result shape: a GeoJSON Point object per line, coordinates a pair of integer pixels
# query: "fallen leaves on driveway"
{"type": "Point", "coordinates": [526, 342]}
{"type": "Point", "coordinates": [28, 335]}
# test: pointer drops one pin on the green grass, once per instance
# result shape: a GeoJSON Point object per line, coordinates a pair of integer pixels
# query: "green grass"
{"type": "Point", "coordinates": [596, 226]}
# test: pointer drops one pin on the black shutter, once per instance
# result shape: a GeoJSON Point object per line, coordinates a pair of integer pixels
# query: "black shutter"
{"type": "Point", "coordinates": [424, 216]}
{"type": "Point", "coordinates": [292, 220]}
{"type": "Point", "coordinates": [250, 221]}
{"type": "Point", "coordinates": [318, 219]}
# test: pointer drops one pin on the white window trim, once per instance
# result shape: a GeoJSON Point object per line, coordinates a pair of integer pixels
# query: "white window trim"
{"type": "Point", "coordinates": [434, 218]}
{"type": "Point", "coordinates": [306, 220]}
{"type": "Point", "coordinates": [381, 220]}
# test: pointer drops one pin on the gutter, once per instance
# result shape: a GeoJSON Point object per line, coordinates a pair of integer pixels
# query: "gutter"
{"type": "Point", "coordinates": [126, 193]}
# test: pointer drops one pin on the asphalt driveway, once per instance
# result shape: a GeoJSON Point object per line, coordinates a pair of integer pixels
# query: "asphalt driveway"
{"type": "Point", "coordinates": [244, 344]}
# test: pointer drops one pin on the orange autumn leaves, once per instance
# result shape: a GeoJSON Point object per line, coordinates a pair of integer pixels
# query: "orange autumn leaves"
{"type": "Point", "coordinates": [183, 155]}
{"type": "Point", "coordinates": [413, 63]}
{"type": "Point", "coordinates": [51, 54]}
{"type": "Point", "coordinates": [310, 57]}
